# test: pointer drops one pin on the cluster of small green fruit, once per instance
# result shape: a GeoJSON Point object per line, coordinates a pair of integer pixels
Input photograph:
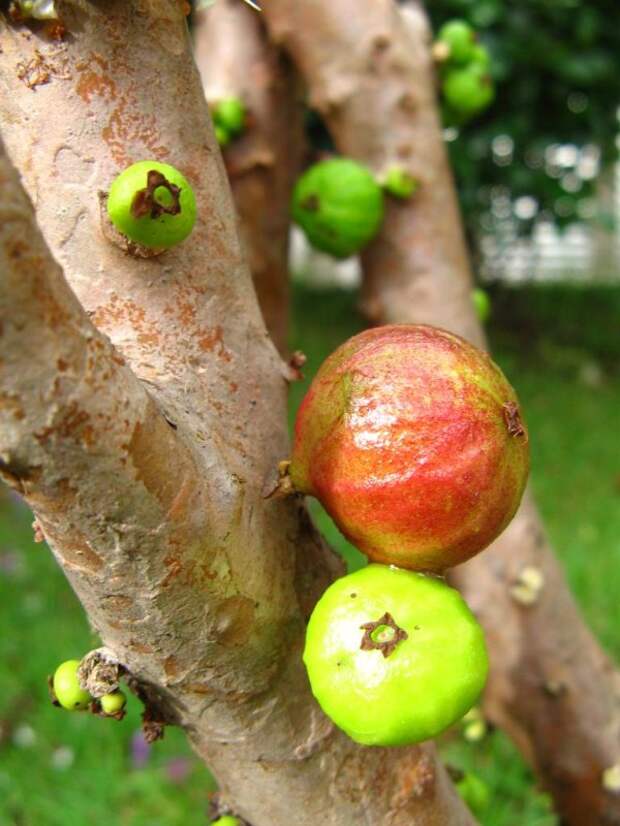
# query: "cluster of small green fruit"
{"type": "Point", "coordinates": [464, 63]}
{"type": "Point", "coordinates": [66, 691]}
{"type": "Point", "coordinates": [412, 440]}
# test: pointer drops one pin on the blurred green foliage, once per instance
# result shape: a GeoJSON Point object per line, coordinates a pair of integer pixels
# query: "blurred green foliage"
{"type": "Point", "coordinates": [556, 65]}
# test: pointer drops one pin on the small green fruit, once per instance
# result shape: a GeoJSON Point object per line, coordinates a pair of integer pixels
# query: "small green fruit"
{"type": "Point", "coordinates": [480, 56]}
{"type": "Point", "coordinates": [152, 204]}
{"type": "Point", "coordinates": [399, 183]}
{"type": "Point", "coordinates": [460, 38]}
{"type": "Point", "coordinates": [222, 135]}
{"type": "Point", "coordinates": [482, 304]}
{"type": "Point", "coordinates": [113, 703]}
{"type": "Point", "coordinates": [475, 793]}
{"type": "Point", "coordinates": [229, 113]}
{"type": "Point", "coordinates": [339, 206]}
{"type": "Point", "coordinates": [468, 90]}
{"type": "Point", "coordinates": [394, 657]}
{"type": "Point", "coordinates": [67, 688]}
{"type": "Point", "coordinates": [226, 820]}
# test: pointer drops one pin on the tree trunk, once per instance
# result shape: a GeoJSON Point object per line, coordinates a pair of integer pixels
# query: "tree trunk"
{"type": "Point", "coordinates": [142, 409]}
{"type": "Point", "coordinates": [235, 59]}
{"type": "Point", "coordinates": [369, 73]}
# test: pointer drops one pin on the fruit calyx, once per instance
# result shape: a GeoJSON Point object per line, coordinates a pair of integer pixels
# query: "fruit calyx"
{"type": "Point", "coordinates": [383, 634]}
{"type": "Point", "coordinates": [512, 417]}
{"type": "Point", "coordinates": [146, 203]}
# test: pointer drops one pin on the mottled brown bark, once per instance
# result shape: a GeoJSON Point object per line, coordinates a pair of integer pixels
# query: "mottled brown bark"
{"type": "Point", "coordinates": [235, 58]}
{"type": "Point", "coordinates": [369, 73]}
{"type": "Point", "coordinates": [141, 426]}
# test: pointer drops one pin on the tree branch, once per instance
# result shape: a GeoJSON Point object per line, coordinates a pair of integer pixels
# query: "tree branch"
{"type": "Point", "coordinates": [152, 502]}
{"type": "Point", "coordinates": [235, 58]}
{"type": "Point", "coordinates": [371, 78]}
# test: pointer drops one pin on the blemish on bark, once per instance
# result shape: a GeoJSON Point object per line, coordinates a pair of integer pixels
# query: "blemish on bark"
{"type": "Point", "coordinates": [171, 666]}
{"type": "Point", "coordinates": [416, 779]}
{"type": "Point", "coordinates": [212, 339]}
{"type": "Point", "coordinates": [233, 620]}
{"type": "Point", "coordinates": [528, 586]}
{"type": "Point", "coordinates": [380, 42]}
{"type": "Point", "coordinates": [77, 553]}
{"type": "Point", "coordinates": [34, 72]}
{"type": "Point", "coordinates": [140, 647]}
{"type": "Point", "coordinates": [92, 83]}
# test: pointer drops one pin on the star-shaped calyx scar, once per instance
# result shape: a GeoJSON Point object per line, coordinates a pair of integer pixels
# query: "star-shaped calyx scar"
{"type": "Point", "coordinates": [383, 635]}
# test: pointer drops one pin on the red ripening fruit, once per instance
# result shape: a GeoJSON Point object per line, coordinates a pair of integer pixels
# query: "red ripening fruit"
{"type": "Point", "coordinates": [412, 440]}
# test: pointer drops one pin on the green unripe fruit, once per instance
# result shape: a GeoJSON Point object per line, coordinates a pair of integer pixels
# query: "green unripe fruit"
{"type": "Point", "coordinates": [152, 204]}
{"type": "Point", "coordinates": [113, 703]}
{"type": "Point", "coordinates": [474, 792]}
{"type": "Point", "coordinates": [480, 56]}
{"type": "Point", "coordinates": [67, 688]}
{"type": "Point", "coordinates": [339, 206]}
{"type": "Point", "coordinates": [482, 304]}
{"type": "Point", "coordinates": [226, 820]}
{"type": "Point", "coordinates": [229, 113]}
{"type": "Point", "coordinates": [399, 183]}
{"type": "Point", "coordinates": [394, 657]}
{"type": "Point", "coordinates": [469, 90]}
{"type": "Point", "coordinates": [222, 135]}
{"type": "Point", "coordinates": [460, 39]}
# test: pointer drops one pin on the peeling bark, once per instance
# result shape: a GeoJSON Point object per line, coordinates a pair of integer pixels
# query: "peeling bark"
{"type": "Point", "coordinates": [141, 426]}
{"type": "Point", "coordinates": [369, 73]}
{"type": "Point", "coordinates": [235, 58]}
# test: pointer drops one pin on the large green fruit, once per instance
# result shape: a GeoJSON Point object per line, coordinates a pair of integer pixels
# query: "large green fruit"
{"type": "Point", "coordinates": [412, 439]}
{"type": "Point", "coordinates": [394, 657]}
{"type": "Point", "coordinates": [339, 206]}
{"type": "Point", "coordinates": [468, 90]}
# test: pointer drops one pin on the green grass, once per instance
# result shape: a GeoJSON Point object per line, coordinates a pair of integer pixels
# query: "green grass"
{"type": "Point", "coordinates": [558, 350]}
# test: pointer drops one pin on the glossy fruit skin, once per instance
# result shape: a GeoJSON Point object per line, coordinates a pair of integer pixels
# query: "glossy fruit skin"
{"type": "Point", "coordinates": [459, 36]}
{"type": "Point", "coordinates": [163, 231]}
{"type": "Point", "coordinates": [425, 684]}
{"type": "Point", "coordinates": [339, 206]}
{"type": "Point", "coordinates": [482, 304]}
{"type": "Point", "coordinates": [67, 688]}
{"type": "Point", "coordinates": [468, 90]}
{"type": "Point", "coordinates": [411, 438]}
{"type": "Point", "coordinates": [226, 820]}
{"type": "Point", "coordinates": [113, 703]}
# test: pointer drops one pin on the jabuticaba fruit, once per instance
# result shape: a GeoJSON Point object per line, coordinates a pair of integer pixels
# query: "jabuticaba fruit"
{"type": "Point", "coordinates": [414, 442]}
